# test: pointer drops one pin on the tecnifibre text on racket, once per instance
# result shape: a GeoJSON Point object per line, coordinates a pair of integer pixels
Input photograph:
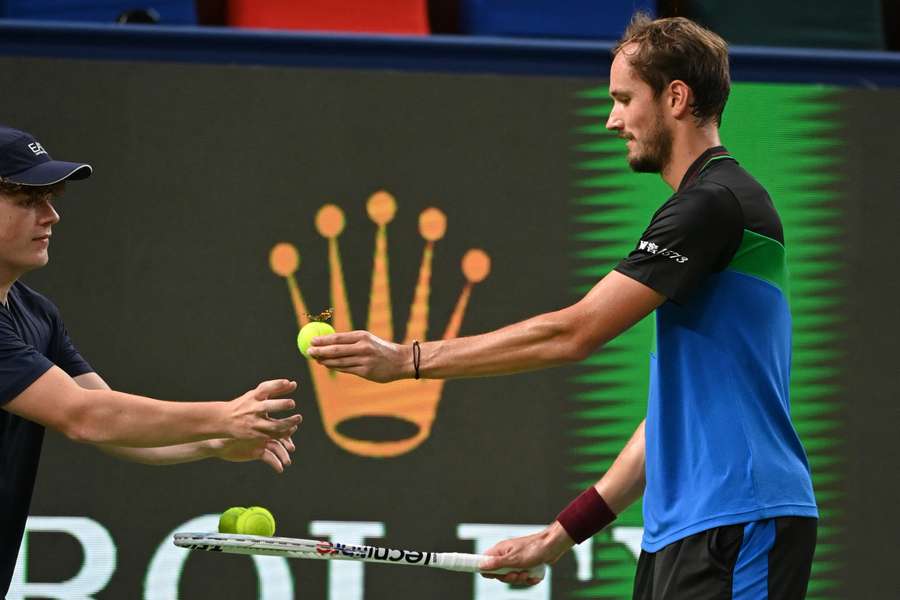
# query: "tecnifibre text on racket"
{"type": "Point", "coordinates": [324, 550]}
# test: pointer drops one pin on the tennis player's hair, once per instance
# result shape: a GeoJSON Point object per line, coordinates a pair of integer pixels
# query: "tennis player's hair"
{"type": "Point", "coordinates": [677, 48]}
{"type": "Point", "coordinates": [35, 194]}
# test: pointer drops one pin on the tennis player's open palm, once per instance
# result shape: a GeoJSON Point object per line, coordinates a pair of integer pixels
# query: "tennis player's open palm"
{"type": "Point", "coordinates": [248, 415]}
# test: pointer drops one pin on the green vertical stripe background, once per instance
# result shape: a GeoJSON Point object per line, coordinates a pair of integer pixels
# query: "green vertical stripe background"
{"type": "Point", "coordinates": [787, 137]}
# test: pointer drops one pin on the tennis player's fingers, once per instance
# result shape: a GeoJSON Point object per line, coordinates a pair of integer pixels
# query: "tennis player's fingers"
{"type": "Point", "coordinates": [499, 556]}
{"type": "Point", "coordinates": [508, 554]}
{"type": "Point", "coordinates": [519, 578]}
{"type": "Point", "coordinates": [335, 339]}
{"type": "Point", "coordinates": [275, 447]}
{"type": "Point", "coordinates": [341, 364]}
{"type": "Point", "coordinates": [270, 459]}
{"type": "Point", "coordinates": [321, 353]}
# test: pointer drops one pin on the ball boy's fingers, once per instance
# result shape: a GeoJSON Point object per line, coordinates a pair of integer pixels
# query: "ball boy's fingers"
{"type": "Point", "coordinates": [277, 428]}
{"type": "Point", "coordinates": [280, 452]}
{"type": "Point", "coordinates": [288, 443]}
{"type": "Point", "coordinates": [277, 405]}
{"type": "Point", "coordinates": [271, 460]}
{"type": "Point", "coordinates": [275, 387]}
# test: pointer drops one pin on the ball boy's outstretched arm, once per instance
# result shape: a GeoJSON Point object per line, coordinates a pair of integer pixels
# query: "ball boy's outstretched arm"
{"type": "Point", "coordinates": [274, 452]}
{"type": "Point", "coordinates": [619, 487]}
{"type": "Point", "coordinates": [613, 305]}
{"type": "Point", "coordinates": [105, 416]}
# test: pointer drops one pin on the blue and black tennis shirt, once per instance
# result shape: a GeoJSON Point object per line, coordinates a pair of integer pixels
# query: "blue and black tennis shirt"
{"type": "Point", "coordinates": [720, 445]}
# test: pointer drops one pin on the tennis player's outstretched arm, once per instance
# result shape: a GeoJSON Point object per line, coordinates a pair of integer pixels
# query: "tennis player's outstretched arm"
{"type": "Point", "coordinates": [568, 335]}
{"type": "Point", "coordinates": [274, 452]}
{"type": "Point", "coordinates": [622, 484]}
{"type": "Point", "coordinates": [104, 416]}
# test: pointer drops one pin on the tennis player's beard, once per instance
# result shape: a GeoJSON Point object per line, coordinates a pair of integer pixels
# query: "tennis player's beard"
{"type": "Point", "coordinates": [657, 151]}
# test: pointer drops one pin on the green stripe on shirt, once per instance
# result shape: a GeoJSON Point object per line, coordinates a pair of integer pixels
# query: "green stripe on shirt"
{"type": "Point", "coordinates": [761, 257]}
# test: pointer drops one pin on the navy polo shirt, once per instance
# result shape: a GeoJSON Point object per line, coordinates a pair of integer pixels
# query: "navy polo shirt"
{"type": "Point", "coordinates": [32, 340]}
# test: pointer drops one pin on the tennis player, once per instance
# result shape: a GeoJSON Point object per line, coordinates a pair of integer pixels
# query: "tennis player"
{"type": "Point", "coordinates": [45, 382]}
{"type": "Point", "coordinates": [729, 510]}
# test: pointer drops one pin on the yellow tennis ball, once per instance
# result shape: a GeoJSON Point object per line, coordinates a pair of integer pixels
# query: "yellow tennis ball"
{"type": "Point", "coordinates": [228, 519]}
{"type": "Point", "coordinates": [312, 330]}
{"type": "Point", "coordinates": [256, 520]}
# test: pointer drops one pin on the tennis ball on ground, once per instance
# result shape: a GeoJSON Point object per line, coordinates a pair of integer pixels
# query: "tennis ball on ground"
{"type": "Point", "coordinates": [228, 519]}
{"type": "Point", "coordinates": [312, 330]}
{"type": "Point", "coordinates": [256, 520]}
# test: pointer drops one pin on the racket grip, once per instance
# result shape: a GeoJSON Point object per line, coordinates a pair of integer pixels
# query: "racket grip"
{"type": "Point", "coordinates": [459, 561]}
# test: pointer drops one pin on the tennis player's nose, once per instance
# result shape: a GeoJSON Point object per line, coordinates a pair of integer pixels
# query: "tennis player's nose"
{"type": "Point", "coordinates": [614, 122]}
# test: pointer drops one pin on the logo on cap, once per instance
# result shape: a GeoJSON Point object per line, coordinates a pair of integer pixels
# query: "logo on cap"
{"type": "Point", "coordinates": [37, 148]}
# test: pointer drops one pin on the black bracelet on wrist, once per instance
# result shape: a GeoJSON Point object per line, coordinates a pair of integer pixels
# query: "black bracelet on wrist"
{"type": "Point", "coordinates": [417, 356]}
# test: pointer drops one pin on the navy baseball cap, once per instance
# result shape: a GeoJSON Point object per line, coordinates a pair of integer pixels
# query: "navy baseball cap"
{"type": "Point", "coordinates": [24, 160]}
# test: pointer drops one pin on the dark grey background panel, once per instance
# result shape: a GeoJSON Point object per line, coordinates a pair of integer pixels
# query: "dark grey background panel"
{"type": "Point", "coordinates": [871, 187]}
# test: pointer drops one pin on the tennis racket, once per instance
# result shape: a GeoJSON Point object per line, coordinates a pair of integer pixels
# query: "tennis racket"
{"type": "Point", "coordinates": [324, 550]}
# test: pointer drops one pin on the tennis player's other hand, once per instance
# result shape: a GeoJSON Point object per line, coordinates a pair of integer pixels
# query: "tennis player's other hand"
{"type": "Point", "coordinates": [274, 452]}
{"type": "Point", "coordinates": [545, 547]}
{"type": "Point", "coordinates": [363, 354]}
{"type": "Point", "coordinates": [248, 417]}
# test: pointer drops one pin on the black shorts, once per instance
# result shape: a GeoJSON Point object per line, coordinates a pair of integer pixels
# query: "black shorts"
{"type": "Point", "coordinates": [763, 560]}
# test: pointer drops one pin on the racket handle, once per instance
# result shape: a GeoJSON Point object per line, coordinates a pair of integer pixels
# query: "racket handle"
{"type": "Point", "coordinates": [460, 561]}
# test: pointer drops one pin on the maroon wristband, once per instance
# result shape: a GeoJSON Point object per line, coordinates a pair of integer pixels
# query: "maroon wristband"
{"type": "Point", "coordinates": [586, 515]}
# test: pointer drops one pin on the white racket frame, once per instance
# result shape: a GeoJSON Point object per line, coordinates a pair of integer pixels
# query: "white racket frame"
{"type": "Point", "coordinates": [325, 550]}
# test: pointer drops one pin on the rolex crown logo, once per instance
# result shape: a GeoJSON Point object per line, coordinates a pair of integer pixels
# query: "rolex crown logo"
{"type": "Point", "coordinates": [346, 399]}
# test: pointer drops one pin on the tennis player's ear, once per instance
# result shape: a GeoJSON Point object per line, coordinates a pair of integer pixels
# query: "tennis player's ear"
{"type": "Point", "coordinates": [679, 98]}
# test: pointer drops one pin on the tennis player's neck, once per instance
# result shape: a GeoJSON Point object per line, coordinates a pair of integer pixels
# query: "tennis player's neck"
{"type": "Point", "coordinates": [686, 150]}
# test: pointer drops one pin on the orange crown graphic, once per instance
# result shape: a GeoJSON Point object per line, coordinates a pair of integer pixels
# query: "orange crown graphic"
{"type": "Point", "coordinates": [344, 399]}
